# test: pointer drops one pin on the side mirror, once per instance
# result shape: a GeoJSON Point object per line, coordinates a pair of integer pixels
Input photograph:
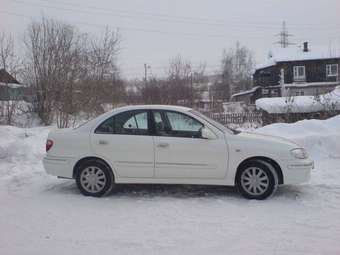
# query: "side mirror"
{"type": "Point", "coordinates": [206, 133]}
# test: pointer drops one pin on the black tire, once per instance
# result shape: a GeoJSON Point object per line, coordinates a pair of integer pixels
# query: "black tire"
{"type": "Point", "coordinates": [260, 185]}
{"type": "Point", "coordinates": [101, 172]}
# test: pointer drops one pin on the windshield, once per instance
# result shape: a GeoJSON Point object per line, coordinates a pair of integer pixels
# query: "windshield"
{"type": "Point", "coordinates": [214, 123]}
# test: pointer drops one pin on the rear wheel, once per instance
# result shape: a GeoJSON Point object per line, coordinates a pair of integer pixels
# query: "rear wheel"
{"type": "Point", "coordinates": [257, 180]}
{"type": "Point", "coordinates": [94, 178]}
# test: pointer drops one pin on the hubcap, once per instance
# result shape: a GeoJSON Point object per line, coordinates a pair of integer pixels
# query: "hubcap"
{"type": "Point", "coordinates": [255, 181]}
{"type": "Point", "coordinates": [92, 179]}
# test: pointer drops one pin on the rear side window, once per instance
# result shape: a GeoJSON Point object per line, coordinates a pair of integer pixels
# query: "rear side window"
{"type": "Point", "coordinates": [106, 127]}
{"type": "Point", "coordinates": [126, 123]}
{"type": "Point", "coordinates": [132, 123]}
{"type": "Point", "coordinates": [136, 121]}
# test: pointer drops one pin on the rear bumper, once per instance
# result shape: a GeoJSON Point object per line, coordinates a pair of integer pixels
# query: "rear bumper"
{"type": "Point", "coordinates": [58, 166]}
{"type": "Point", "coordinates": [298, 171]}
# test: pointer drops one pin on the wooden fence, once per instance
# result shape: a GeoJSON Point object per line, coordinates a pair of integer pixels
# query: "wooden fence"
{"type": "Point", "coordinates": [264, 118]}
{"type": "Point", "coordinates": [237, 118]}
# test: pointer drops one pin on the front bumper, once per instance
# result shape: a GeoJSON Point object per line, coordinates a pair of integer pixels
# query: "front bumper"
{"type": "Point", "coordinates": [297, 171]}
{"type": "Point", "coordinates": [58, 166]}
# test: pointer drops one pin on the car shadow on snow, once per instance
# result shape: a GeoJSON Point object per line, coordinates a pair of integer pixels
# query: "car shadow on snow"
{"type": "Point", "coordinates": [176, 191]}
{"type": "Point", "coordinates": [151, 190]}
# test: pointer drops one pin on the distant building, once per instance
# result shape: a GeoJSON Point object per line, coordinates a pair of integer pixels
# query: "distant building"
{"type": "Point", "coordinates": [206, 101]}
{"type": "Point", "coordinates": [11, 89]}
{"type": "Point", "coordinates": [294, 72]}
{"type": "Point", "coordinates": [299, 71]}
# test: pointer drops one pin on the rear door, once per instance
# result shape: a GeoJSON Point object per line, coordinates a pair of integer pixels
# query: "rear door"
{"type": "Point", "coordinates": [181, 152]}
{"type": "Point", "coordinates": [125, 140]}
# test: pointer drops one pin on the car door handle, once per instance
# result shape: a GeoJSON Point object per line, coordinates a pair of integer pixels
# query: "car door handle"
{"type": "Point", "coordinates": [163, 145]}
{"type": "Point", "coordinates": [103, 142]}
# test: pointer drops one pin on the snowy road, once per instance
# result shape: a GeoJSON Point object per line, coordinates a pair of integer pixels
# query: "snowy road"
{"type": "Point", "coordinates": [40, 214]}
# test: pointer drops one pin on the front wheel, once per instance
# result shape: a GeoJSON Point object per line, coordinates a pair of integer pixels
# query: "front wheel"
{"type": "Point", "coordinates": [257, 180]}
{"type": "Point", "coordinates": [94, 178]}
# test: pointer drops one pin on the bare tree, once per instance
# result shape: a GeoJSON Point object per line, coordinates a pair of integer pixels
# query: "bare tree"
{"type": "Point", "coordinates": [102, 55]}
{"type": "Point", "coordinates": [179, 86]}
{"type": "Point", "coordinates": [237, 67]}
{"type": "Point", "coordinates": [70, 71]}
{"type": "Point", "coordinates": [11, 64]}
{"type": "Point", "coordinates": [48, 43]}
{"type": "Point", "coordinates": [183, 82]}
{"type": "Point", "coordinates": [8, 59]}
{"type": "Point", "coordinates": [178, 89]}
{"type": "Point", "coordinates": [102, 83]}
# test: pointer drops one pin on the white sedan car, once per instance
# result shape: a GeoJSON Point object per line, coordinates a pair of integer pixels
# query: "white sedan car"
{"type": "Point", "coordinates": [172, 145]}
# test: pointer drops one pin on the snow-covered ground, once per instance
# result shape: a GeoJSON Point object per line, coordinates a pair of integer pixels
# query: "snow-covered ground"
{"type": "Point", "coordinates": [40, 214]}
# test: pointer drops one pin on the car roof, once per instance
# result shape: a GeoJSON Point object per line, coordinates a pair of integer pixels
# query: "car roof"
{"type": "Point", "coordinates": [153, 107]}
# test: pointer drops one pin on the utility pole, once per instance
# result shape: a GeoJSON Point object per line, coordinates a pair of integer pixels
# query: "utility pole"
{"type": "Point", "coordinates": [146, 67]}
{"type": "Point", "coordinates": [145, 73]}
{"type": "Point", "coordinates": [284, 36]}
{"type": "Point", "coordinates": [191, 90]}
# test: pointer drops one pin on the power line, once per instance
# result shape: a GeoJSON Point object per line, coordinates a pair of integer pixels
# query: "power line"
{"type": "Point", "coordinates": [187, 34]}
{"type": "Point", "coordinates": [152, 16]}
{"type": "Point", "coordinates": [171, 33]}
{"type": "Point", "coordinates": [216, 21]}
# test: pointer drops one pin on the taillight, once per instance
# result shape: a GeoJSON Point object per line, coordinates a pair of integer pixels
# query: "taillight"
{"type": "Point", "coordinates": [49, 144]}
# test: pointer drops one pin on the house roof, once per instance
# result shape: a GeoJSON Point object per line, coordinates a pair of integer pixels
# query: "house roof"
{"type": "Point", "coordinates": [11, 85]}
{"type": "Point", "coordinates": [297, 54]}
{"type": "Point", "coordinates": [246, 92]}
{"type": "Point", "coordinates": [5, 77]}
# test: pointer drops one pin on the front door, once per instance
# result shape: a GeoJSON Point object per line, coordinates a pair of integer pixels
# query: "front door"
{"type": "Point", "coordinates": [181, 152]}
{"type": "Point", "coordinates": [125, 140]}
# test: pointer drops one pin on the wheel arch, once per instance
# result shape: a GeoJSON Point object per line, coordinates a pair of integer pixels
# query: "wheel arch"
{"type": "Point", "coordinates": [84, 159]}
{"type": "Point", "coordinates": [272, 162]}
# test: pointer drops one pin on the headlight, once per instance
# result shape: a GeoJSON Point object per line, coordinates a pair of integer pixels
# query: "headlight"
{"type": "Point", "coordinates": [299, 153]}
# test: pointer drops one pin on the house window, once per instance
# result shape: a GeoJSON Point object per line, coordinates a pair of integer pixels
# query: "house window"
{"type": "Point", "coordinates": [300, 93]}
{"type": "Point", "coordinates": [332, 70]}
{"type": "Point", "coordinates": [299, 73]}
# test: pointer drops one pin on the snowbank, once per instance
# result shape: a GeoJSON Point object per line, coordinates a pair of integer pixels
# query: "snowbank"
{"type": "Point", "coordinates": [21, 149]}
{"type": "Point", "coordinates": [300, 104]}
{"type": "Point", "coordinates": [22, 113]}
{"type": "Point", "coordinates": [320, 137]}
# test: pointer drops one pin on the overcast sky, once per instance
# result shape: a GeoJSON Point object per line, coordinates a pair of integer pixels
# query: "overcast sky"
{"type": "Point", "coordinates": [155, 30]}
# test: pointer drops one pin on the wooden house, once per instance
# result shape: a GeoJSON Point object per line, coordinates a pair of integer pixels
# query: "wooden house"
{"type": "Point", "coordinates": [293, 72]}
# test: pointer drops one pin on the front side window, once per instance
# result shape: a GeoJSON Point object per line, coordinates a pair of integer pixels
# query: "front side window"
{"type": "Point", "coordinates": [181, 122]}
{"type": "Point", "coordinates": [169, 123]}
{"type": "Point", "coordinates": [299, 73]}
{"type": "Point", "coordinates": [332, 70]}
